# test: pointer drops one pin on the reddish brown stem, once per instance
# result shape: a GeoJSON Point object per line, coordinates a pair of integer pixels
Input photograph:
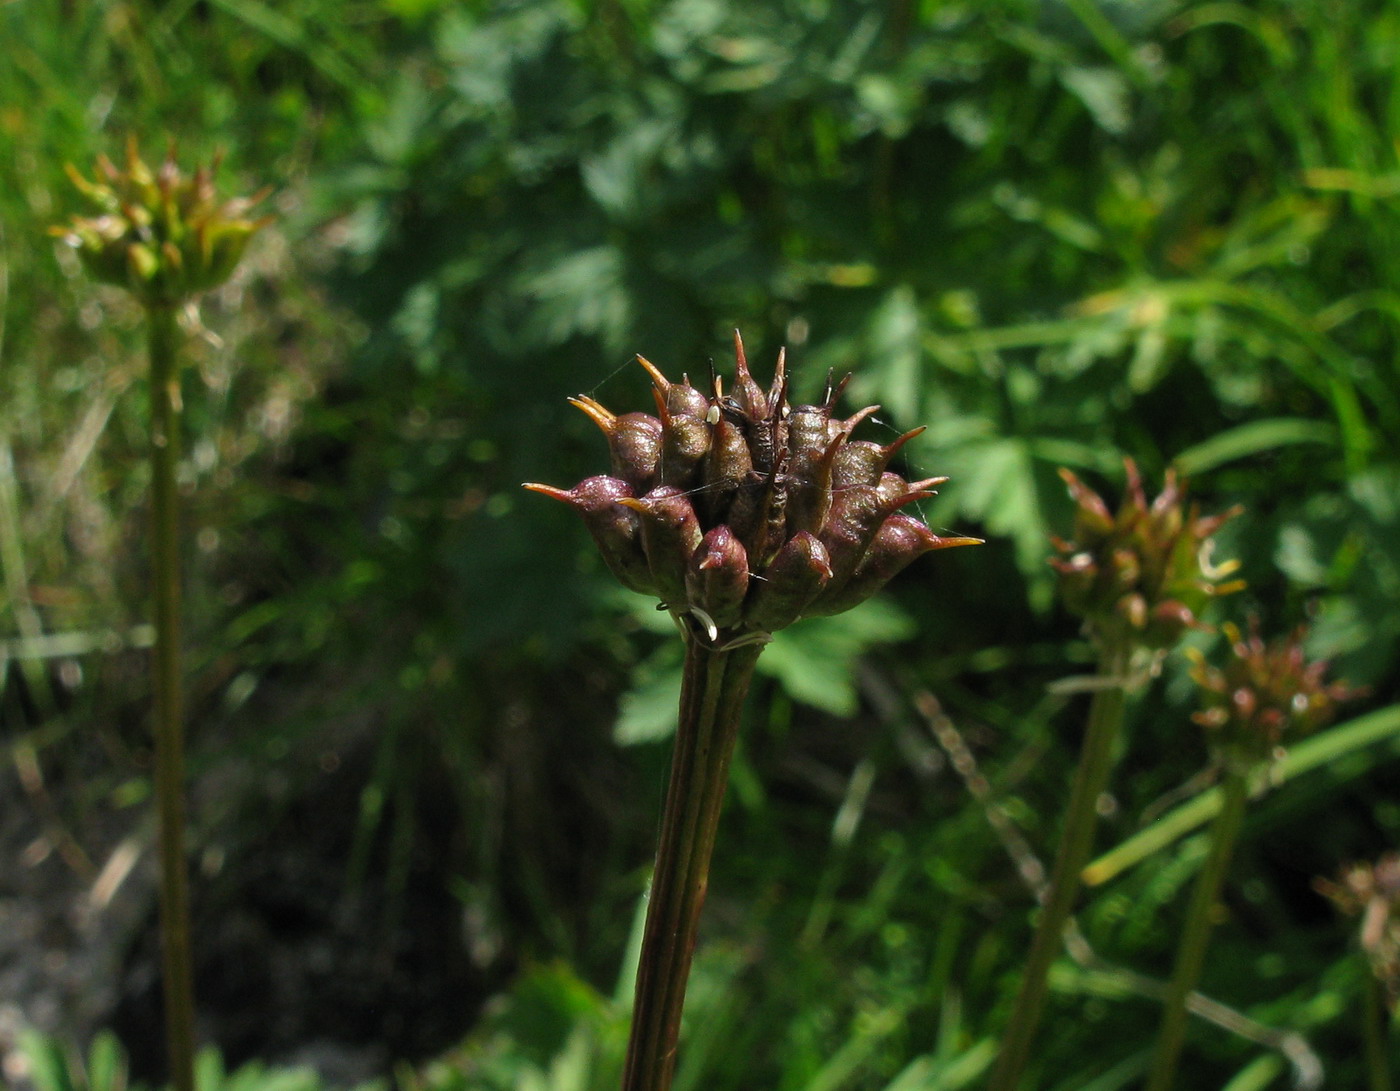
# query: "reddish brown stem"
{"type": "Point", "coordinates": [712, 693]}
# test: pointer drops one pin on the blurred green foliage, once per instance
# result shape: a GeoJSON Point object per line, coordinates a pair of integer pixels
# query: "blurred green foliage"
{"type": "Point", "coordinates": [1056, 231]}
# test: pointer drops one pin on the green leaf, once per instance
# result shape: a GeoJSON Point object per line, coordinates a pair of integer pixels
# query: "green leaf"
{"type": "Point", "coordinates": [1382, 726]}
{"type": "Point", "coordinates": [995, 482]}
{"type": "Point", "coordinates": [1104, 93]}
{"type": "Point", "coordinates": [896, 349]}
{"type": "Point", "coordinates": [815, 660]}
{"type": "Point", "coordinates": [1253, 438]}
{"type": "Point", "coordinates": [106, 1063]}
{"type": "Point", "coordinates": [647, 712]}
{"type": "Point", "coordinates": [962, 1070]}
{"type": "Point", "coordinates": [581, 293]}
{"type": "Point", "coordinates": [49, 1062]}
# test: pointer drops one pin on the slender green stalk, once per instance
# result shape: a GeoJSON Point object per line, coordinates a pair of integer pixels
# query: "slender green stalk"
{"type": "Point", "coordinates": [1377, 1023]}
{"type": "Point", "coordinates": [1076, 844]}
{"type": "Point", "coordinates": [176, 959]}
{"type": "Point", "coordinates": [1324, 751]}
{"type": "Point", "coordinates": [712, 692]}
{"type": "Point", "coordinates": [1195, 936]}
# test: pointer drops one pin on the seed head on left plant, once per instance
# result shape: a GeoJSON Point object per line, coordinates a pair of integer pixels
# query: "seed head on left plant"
{"type": "Point", "coordinates": [164, 235]}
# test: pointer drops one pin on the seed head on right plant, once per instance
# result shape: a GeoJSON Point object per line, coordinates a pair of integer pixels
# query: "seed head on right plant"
{"type": "Point", "coordinates": [1266, 691]}
{"type": "Point", "coordinates": [1140, 576]}
{"type": "Point", "coordinates": [1371, 891]}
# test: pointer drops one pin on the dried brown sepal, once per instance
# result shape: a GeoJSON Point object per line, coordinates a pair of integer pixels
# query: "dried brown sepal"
{"type": "Point", "coordinates": [795, 579]}
{"type": "Point", "coordinates": [718, 579]}
{"type": "Point", "coordinates": [670, 535]}
{"type": "Point", "coordinates": [634, 441]}
{"type": "Point", "coordinates": [861, 462]}
{"type": "Point", "coordinates": [685, 441]}
{"type": "Point", "coordinates": [901, 540]}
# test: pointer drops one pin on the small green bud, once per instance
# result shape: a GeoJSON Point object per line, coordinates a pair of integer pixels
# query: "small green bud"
{"type": "Point", "coordinates": [1140, 575]}
{"type": "Point", "coordinates": [1264, 693]}
{"type": "Point", "coordinates": [1371, 891]}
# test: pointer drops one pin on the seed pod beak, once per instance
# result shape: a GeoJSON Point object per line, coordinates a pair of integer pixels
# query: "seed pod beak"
{"type": "Point", "coordinates": [563, 495]}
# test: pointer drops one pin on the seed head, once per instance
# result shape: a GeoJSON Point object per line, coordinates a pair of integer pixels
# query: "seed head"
{"type": "Point", "coordinates": [742, 513]}
{"type": "Point", "coordinates": [1372, 892]}
{"type": "Point", "coordinates": [1142, 575]}
{"type": "Point", "coordinates": [1264, 693]}
{"type": "Point", "coordinates": [163, 235]}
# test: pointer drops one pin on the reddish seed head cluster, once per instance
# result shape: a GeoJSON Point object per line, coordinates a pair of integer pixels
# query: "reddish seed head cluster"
{"type": "Point", "coordinates": [1141, 575]}
{"type": "Point", "coordinates": [743, 513]}
{"type": "Point", "coordinates": [1264, 692]}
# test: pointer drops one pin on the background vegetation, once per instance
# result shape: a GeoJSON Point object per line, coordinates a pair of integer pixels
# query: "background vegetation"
{"type": "Point", "coordinates": [1058, 232]}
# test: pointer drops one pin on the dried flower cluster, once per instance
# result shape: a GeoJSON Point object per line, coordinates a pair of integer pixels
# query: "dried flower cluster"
{"type": "Point", "coordinates": [1265, 691]}
{"type": "Point", "coordinates": [1372, 892]}
{"type": "Point", "coordinates": [1140, 577]}
{"type": "Point", "coordinates": [160, 234]}
{"type": "Point", "coordinates": [742, 513]}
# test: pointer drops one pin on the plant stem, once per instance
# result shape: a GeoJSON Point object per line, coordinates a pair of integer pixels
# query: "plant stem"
{"type": "Point", "coordinates": [712, 693]}
{"type": "Point", "coordinates": [1195, 936]}
{"type": "Point", "coordinates": [176, 959]}
{"type": "Point", "coordinates": [1377, 1039]}
{"type": "Point", "coordinates": [1076, 844]}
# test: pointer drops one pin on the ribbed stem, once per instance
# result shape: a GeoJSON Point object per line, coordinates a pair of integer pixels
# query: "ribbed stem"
{"type": "Point", "coordinates": [176, 959]}
{"type": "Point", "coordinates": [1076, 844]}
{"type": "Point", "coordinates": [1195, 935]}
{"type": "Point", "coordinates": [712, 693]}
{"type": "Point", "coordinates": [1377, 1023]}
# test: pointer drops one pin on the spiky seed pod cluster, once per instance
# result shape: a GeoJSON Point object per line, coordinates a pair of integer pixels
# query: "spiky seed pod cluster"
{"type": "Point", "coordinates": [1141, 575]}
{"type": "Point", "coordinates": [1265, 691]}
{"type": "Point", "coordinates": [163, 235]}
{"type": "Point", "coordinates": [1372, 892]}
{"type": "Point", "coordinates": [742, 513]}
